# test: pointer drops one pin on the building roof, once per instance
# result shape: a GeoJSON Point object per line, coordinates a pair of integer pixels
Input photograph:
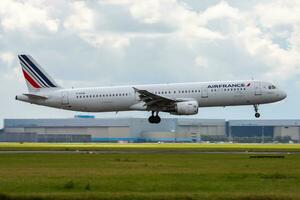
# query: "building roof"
{"type": "Point", "coordinates": [71, 122]}
{"type": "Point", "coordinates": [199, 122]}
{"type": "Point", "coordinates": [278, 122]}
{"type": "Point", "coordinates": [142, 123]}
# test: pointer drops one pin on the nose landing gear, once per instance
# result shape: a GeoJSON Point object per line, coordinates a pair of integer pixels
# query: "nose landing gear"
{"type": "Point", "coordinates": [257, 114]}
{"type": "Point", "coordinates": [154, 119]}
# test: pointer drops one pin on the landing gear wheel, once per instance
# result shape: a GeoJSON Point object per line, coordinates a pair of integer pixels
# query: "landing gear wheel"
{"type": "Point", "coordinates": [257, 114]}
{"type": "Point", "coordinates": [154, 119]}
{"type": "Point", "coordinates": [157, 119]}
{"type": "Point", "coordinates": [151, 119]}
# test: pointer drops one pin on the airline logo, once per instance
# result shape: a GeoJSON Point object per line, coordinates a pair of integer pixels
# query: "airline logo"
{"type": "Point", "coordinates": [229, 85]}
{"type": "Point", "coordinates": [33, 74]}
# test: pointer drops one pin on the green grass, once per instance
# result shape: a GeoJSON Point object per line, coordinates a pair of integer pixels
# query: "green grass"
{"type": "Point", "coordinates": [148, 176]}
{"type": "Point", "coordinates": [148, 146]}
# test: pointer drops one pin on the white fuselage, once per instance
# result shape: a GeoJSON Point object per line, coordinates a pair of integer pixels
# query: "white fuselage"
{"type": "Point", "coordinates": [125, 98]}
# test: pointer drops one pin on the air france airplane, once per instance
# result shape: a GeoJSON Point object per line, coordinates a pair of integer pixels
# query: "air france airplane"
{"type": "Point", "coordinates": [176, 98]}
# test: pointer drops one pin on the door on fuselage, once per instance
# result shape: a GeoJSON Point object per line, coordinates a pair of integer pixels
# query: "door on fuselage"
{"type": "Point", "coordinates": [257, 88]}
{"type": "Point", "coordinates": [204, 92]}
{"type": "Point", "coordinates": [65, 98]}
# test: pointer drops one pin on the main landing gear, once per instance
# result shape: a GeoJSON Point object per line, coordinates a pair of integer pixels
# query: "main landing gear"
{"type": "Point", "coordinates": [154, 119]}
{"type": "Point", "coordinates": [257, 114]}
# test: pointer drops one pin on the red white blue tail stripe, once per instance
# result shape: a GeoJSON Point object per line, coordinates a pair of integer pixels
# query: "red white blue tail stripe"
{"type": "Point", "coordinates": [34, 74]}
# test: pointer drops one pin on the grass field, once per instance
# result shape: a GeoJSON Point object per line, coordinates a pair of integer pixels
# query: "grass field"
{"type": "Point", "coordinates": [149, 146]}
{"type": "Point", "coordinates": [148, 176]}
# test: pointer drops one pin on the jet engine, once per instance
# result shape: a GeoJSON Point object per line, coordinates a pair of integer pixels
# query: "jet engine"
{"type": "Point", "coordinates": [186, 108]}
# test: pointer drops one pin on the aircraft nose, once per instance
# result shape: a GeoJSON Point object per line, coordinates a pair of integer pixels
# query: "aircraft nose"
{"type": "Point", "coordinates": [282, 95]}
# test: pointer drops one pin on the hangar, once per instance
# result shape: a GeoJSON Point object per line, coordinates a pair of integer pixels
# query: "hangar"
{"type": "Point", "coordinates": [139, 130]}
{"type": "Point", "coordinates": [110, 130]}
{"type": "Point", "coordinates": [275, 129]}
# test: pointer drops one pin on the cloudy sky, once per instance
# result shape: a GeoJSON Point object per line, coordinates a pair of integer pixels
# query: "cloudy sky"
{"type": "Point", "coordinates": [120, 42]}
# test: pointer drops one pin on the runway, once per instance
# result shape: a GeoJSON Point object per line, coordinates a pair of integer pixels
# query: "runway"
{"type": "Point", "coordinates": [153, 152]}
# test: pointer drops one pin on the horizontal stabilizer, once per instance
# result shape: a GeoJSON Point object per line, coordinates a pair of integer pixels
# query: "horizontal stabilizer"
{"type": "Point", "coordinates": [34, 96]}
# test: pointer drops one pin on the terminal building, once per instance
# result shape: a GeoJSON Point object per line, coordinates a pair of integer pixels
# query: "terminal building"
{"type": "Point", "coordinates": [91, 129]}
{"type": "Point", "coordinates": [272, 129]}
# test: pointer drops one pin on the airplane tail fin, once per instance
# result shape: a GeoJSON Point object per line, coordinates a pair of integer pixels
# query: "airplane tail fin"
{"type": "Point", "coordinates": [36, 77]}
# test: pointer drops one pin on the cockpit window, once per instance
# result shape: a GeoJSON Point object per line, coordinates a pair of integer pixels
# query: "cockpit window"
{"type": "Point", "coordinates": [272, 87]}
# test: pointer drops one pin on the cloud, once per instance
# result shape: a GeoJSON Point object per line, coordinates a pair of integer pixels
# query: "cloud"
{"type": "Point", "coordinates": [82, 18]}
{"type": "Point", "coordinates": [114, 41]}
{"type": "Point", "coordinates": [219, 11]}
{"type": "Point", "coordinates": [201, 61]}
{"type": "Point", "coordinates": [187, 22]}
{"type": "Point", "coordinates": [7, 57]}
{"type": "Point", "coordinates": [259, 31]}
{"type": "Point", "coordinates": [275, 13]}
{"type": "Point", "coordinates": [23, 15]}
{"type": "Point", "coordinates": [280, 63]}
{"type": "Point", "coordinates": [115, 2]}
{"type": "Point", "coordinates": [250, 32]}
{"type": "Point", "coordinates": [118, 41]}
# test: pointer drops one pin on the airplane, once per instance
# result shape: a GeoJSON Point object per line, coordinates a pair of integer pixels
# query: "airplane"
{"type": "Point", "coordinates": [173, 98]}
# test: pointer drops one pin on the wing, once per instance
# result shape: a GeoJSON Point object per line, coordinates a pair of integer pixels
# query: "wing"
{"type": "Point", "coordinates": [155, 102]}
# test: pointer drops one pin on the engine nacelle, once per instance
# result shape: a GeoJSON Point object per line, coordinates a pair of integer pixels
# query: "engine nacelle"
{"type": "Point", "coordinates": [186, 108]}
